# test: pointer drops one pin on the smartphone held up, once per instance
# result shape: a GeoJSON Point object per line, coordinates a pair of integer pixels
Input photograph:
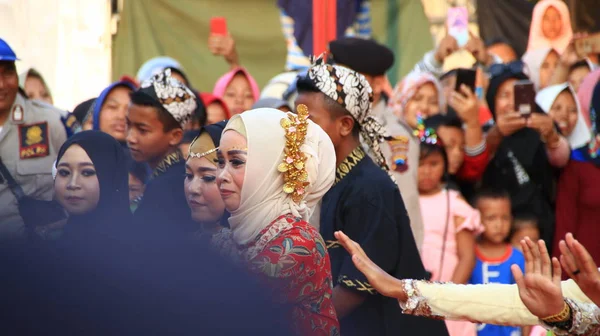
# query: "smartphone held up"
{"type": "Point", "coordinates": [524, 98]}
{"type": "Point", "coordinates": [466, 77]}
{"type": "Point", "coordinates": [458, 24]}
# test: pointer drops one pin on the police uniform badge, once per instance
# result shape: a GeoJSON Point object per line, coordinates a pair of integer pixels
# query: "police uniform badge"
{"type": "Point", "coordinates": [33, 141]}
{"type": "Point", "coordinates": [17, 113]}
{"type": "Point", "coordinates": [399, 146]}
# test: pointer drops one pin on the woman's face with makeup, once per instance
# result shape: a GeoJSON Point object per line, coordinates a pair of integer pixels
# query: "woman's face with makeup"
{"type": "Point", "coordinates": [232, 156]}
{"type": "Point", "coordinates": [201, 190]}
{"type": "Point", "coordinates": [76, 185]}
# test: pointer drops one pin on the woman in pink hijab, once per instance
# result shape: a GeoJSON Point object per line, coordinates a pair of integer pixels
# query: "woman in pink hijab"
{"type": "Point", "coordinates": [584, 94]}
{"type": "Point", "coordinates": [238, 89]}
{"type": "Point", "coordinates": [550, 26]}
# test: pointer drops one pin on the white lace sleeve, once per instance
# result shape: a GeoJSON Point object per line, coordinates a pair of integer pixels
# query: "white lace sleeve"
{"type": "Point", "coordinates": [585, 317]}
{"type": "Point", "coordinates": [490, 303]}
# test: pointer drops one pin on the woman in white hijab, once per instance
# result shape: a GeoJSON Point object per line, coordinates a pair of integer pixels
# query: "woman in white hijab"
{"type": "Point", "coordinates": [541, 64]}
{"type": "Point", "coordinates": [273, 168]}
{"type": "Point", "coordinates": [561, 103]}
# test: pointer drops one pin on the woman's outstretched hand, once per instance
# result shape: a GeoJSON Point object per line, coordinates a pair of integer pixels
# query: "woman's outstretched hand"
{"type": "Point", "coordinates": [384, 283]}
{"type": "Point", "coordinates": [580, 266]}
{"type": "Point", "coordinates": [539, 288]}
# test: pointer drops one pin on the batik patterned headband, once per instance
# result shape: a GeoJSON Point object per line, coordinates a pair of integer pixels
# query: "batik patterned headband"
{"type": "Point", "coordinates": [352, 91]}
{"type": "Point", "coordinates": [174, 96]}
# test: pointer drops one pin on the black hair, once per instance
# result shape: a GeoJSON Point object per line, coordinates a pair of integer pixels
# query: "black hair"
{"type": "Point", "coordinates": [523, 220]}
{"type": "Point", "coordinates": [305, 84]}
{"type": "Point", "coordinates": [427, 149]}
{"type": "Point", "coordinates": [579, 64]}
{"type": "Point", "coordinates": [189, 136]}
{"type": "Point", "coordinates": [180, 73]}
{"type": "Point", "coordinates": [497, 40]}
{"type": "Point", "coordinates": [439, 120]}
{"type": "Point", "coordinates": [200, 114]}
{"type": "Point", "coordinates": [491, 193]}
{"type": "Point", "coordinates": [9, 65]}
{"type": "Point", "coordinates": [139, 170]}
{"type": "Point", "coordinates": [142, 99]}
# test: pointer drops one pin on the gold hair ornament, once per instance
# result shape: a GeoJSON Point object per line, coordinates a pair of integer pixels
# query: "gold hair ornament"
{"type": "Point", "coordinates": [199, 155]}
{"type": "Point", "coordinates": [293, 167]}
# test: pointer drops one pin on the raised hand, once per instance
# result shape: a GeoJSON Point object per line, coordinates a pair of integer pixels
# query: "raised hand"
{"type": "Point", "coordinates": [465, 104]}
{"type": "Point", "coordinates": [542, 123]}
{"type": "Point", "coordinates": [539, 288]}
{"type": "Point", "coordinates": [510, 123]}
{"type": "Point", "coordinates": [579, 265]}
{"type": "Point", "coordinates": [447, 46]}
{"type": "Point", "coordinates": [384, 283]}
{"type": "Point", "coordinates": [223, 45]}
{"type": "Point", "coordinates": [477, 48]}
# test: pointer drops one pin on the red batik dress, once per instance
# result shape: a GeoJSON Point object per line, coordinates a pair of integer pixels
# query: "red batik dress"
{"type": "Point", "coordinates": [293, 256]}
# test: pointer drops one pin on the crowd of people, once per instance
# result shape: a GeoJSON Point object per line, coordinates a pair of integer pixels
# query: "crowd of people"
{"type": "Point", "coordinates": [329, 202]}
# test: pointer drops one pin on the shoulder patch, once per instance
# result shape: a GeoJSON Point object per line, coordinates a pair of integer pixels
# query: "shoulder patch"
{"type": "Point", "coordinates": [33, 140]}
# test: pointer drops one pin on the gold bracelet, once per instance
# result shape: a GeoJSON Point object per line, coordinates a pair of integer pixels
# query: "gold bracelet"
{"type": "Point", "coordinates": [564, 315]}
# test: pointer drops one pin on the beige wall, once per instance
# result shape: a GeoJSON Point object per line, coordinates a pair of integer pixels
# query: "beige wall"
{"type": "Point", "coordinates": [68, 41]}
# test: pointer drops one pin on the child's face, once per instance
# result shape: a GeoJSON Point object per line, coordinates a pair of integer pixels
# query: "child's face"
{"type": "Point", "coordinates": [577, 75]}
{"type": "Point", "coordinates": [136, 188]}
{"type": "Point", "coordinates": [146, 137]}
{"type": "Point", "coordinates": [496, 218]}
{"type": "Point", "coordinates": [530, 231]}
{"type": "Point", "coordinates": [430, 173]}
{"type": "Point", "coordinates": [454, 143]}
{"type": "Point", "coordinates": [425, 102]}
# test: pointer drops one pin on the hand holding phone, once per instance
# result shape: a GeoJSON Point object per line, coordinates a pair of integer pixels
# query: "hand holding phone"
{"type": "Point", "coordinates": [524, 98]}
{"type": "Point", "coordinates": [458, 24]}
{"type": "Point", "coordinates": [466, 77]}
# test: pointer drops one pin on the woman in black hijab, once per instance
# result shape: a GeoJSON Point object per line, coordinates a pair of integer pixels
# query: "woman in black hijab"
{"type": "Point", "coordinates": [92, 185]}
{"type": "Point", "coordinates": [530, 147]}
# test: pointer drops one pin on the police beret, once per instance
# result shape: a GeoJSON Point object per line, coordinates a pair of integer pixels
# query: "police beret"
{"type": "Point", "coordinates": [365, 56]}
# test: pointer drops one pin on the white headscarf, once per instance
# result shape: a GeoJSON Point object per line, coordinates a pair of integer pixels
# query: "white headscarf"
{"type": "Point", "coordinates": [533, 60]}
{"type": "Point", "coordinates": [581, 134]}
{"type": "Point", "coordinates": [262, 195]}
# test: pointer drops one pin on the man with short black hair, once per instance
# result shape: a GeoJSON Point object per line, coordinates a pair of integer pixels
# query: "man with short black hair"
{"type": "Point", "coordinates": [158, 112]}
{"type": "Point", "coordinates": [364, 203]}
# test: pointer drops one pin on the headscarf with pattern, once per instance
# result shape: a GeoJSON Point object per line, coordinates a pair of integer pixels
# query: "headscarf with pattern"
{"type": "Point", "coordinates": [406, 89]}
{"type": "Point", "coordinates": [176, 98]}
{"type": "Point", "coordinates": [352, 91]}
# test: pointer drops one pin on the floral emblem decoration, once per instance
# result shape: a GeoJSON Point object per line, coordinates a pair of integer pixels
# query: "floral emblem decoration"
{"type": "Point", "coordinates": [293, 167]}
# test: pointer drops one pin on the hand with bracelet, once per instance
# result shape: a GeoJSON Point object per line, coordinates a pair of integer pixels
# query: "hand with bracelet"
{"type": "Point", "coordinates": [540, 288]}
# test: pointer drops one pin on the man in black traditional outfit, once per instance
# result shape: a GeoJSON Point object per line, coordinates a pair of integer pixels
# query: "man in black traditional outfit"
{"type": "Point", "coordinates": [159, 111]}
{"type": "Point", "coordinates": [364, 203]}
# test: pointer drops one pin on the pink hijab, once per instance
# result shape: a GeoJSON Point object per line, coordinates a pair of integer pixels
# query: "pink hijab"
{"type": "Point", "coordinates": [224, 81]}
{"type": "Point", "coordinates": [537, 40]}
{"type": "Point", "coordinates": [586, 90]}
{"type": "Point", "coordinates": [408, 87]}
